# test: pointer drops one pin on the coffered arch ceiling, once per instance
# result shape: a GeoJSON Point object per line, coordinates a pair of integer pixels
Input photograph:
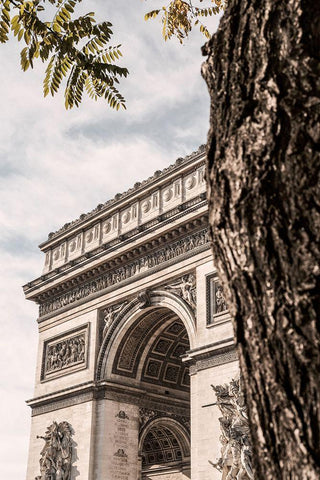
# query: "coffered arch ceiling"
{"type": "Point", "coordinates": [161, 446]}
{"type": "Point", "coordinates": [151, 350]}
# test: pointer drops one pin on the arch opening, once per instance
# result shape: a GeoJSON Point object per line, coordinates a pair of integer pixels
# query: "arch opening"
{"type": "Point", "coordinates": [165, 453]}
{"type": "Point", "coordinates": [148, 355]}
{"type": "Point", "coordinates": [150, 351]}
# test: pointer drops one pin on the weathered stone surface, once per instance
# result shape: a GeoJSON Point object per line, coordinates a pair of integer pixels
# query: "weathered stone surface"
{"type": "Point", "coordinates": [263, 171]}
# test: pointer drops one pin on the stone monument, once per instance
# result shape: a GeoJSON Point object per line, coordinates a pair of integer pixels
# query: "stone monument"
{"type": "Point", "coordinates": [133, 330]}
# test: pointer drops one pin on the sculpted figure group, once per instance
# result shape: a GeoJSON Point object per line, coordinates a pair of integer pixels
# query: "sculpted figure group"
{"type": "Point", "coordinates": [235, 462]}
{"type": "Point", "coordinates": [56, 454]}
{"type": "Point", "coordinates": [65, 353]}
{"type": "Point", "coordinates": [186, 288]}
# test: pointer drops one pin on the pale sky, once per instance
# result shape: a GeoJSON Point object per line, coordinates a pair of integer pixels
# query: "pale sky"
{"type": "Point", "coordinates": [56, 164]}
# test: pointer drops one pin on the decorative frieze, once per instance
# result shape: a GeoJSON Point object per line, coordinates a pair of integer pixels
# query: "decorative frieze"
{"type": "Point", "coordinates": [145, 263]}
{"type": "Point", "coordinates": [56, 454]}
{"type": "Point", "coordinates": [235, 461]}
{"type": "Point", "coordinates": [65, 354]}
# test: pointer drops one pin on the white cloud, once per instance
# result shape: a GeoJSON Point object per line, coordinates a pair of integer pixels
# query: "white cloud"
{"type": "Point", "coordinates": [55, 165]}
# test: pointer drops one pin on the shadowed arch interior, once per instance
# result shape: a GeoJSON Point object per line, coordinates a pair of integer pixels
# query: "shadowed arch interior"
{"type": "Point", "coordinates": [160, 446]}
{"type": "Point", "coordinates": [162, 361]}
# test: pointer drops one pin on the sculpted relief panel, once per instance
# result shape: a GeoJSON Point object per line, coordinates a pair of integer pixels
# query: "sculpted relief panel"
{"type": "Point", "coordinates": [65, 354]}
{"type": "Point", "coordinates": [185, 287]}
{"type": "Point", "coordinates": [109, 315]}
{"type": "Point", "coordinates": [217, 308]}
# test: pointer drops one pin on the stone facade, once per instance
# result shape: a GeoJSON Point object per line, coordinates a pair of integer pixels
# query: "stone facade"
{"type": "Point", "coordinates": [133, 331]}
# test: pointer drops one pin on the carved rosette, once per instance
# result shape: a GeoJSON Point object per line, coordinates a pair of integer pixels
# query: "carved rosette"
{"type": "Point", "coordinates": [235, 461]}
{"type": "Point", "coordinates": [56, 454]}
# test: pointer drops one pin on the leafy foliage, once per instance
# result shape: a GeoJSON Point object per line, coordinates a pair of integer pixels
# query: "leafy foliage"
{"type": "Point", "coordinates": [76, 49]}
{"type": "Point", "coordinates": [179, 17]}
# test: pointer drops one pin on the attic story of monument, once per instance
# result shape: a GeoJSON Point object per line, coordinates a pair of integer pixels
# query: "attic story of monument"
{"type": "Point", "coordinates": [134, 331]}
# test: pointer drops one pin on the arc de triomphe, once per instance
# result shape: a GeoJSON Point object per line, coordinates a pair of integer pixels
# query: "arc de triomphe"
{"type": "Point", "coordinates": [133, 331]}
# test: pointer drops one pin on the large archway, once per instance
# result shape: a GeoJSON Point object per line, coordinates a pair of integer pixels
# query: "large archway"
{"type": "Point", "coordinates": [165, 450]}
{"type": "Point", "coordinates": [146, 352]}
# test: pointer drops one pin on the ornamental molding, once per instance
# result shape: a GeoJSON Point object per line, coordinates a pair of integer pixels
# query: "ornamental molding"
{"type": "Point", "coordinates": [89, 391]}
{"type": "Point", "coordinates": [146, 264]}
{"type": "Point", "coordinates": [122, 241]}
{"type": "Point", "coordinates": [142, 207]}
{"type": "Point", "coordinates": [213, 359]}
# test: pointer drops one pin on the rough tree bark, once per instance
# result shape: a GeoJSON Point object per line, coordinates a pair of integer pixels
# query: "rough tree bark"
{"type": "Point", "coordinates": [263, 77]}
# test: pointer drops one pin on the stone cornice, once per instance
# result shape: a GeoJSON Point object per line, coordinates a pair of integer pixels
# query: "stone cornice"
{"type": "Point", "coordinates": [90, 391]}
{"type": "Point", "coordinates": [174, 246]}
{"type": "Point", "coordinates": [102, 251]}
{"type": "Point", "coordinates": [207, 356]}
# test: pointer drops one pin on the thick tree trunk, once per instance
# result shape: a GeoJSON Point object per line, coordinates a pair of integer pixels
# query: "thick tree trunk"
{"type": "Point", "coordinates": [263, 77]}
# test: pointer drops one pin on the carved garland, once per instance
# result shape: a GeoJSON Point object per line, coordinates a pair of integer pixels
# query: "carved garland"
{"type": "Point", "coordinates": [118, 275]}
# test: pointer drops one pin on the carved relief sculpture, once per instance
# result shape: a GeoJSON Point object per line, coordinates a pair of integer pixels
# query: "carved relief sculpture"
{"type": "Point", "coordinates": [221, 304]}
{"type": "Point", "coordinates": [64, 353]}
{"type": "Point", "coordinates": [217, 308]}
{"type": "Point", "coordinates": [144, 299]}
{"type": "Point", "coordinates": [186, 288]}
{"type": "Point", "coordinates": [56, 454]}
{"type": "Point", "coordinates": [235, 462]}
{"type": "Point", "coordinates": [109, 315]}
{"type": "Point", "coordinates": [146, 414]}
